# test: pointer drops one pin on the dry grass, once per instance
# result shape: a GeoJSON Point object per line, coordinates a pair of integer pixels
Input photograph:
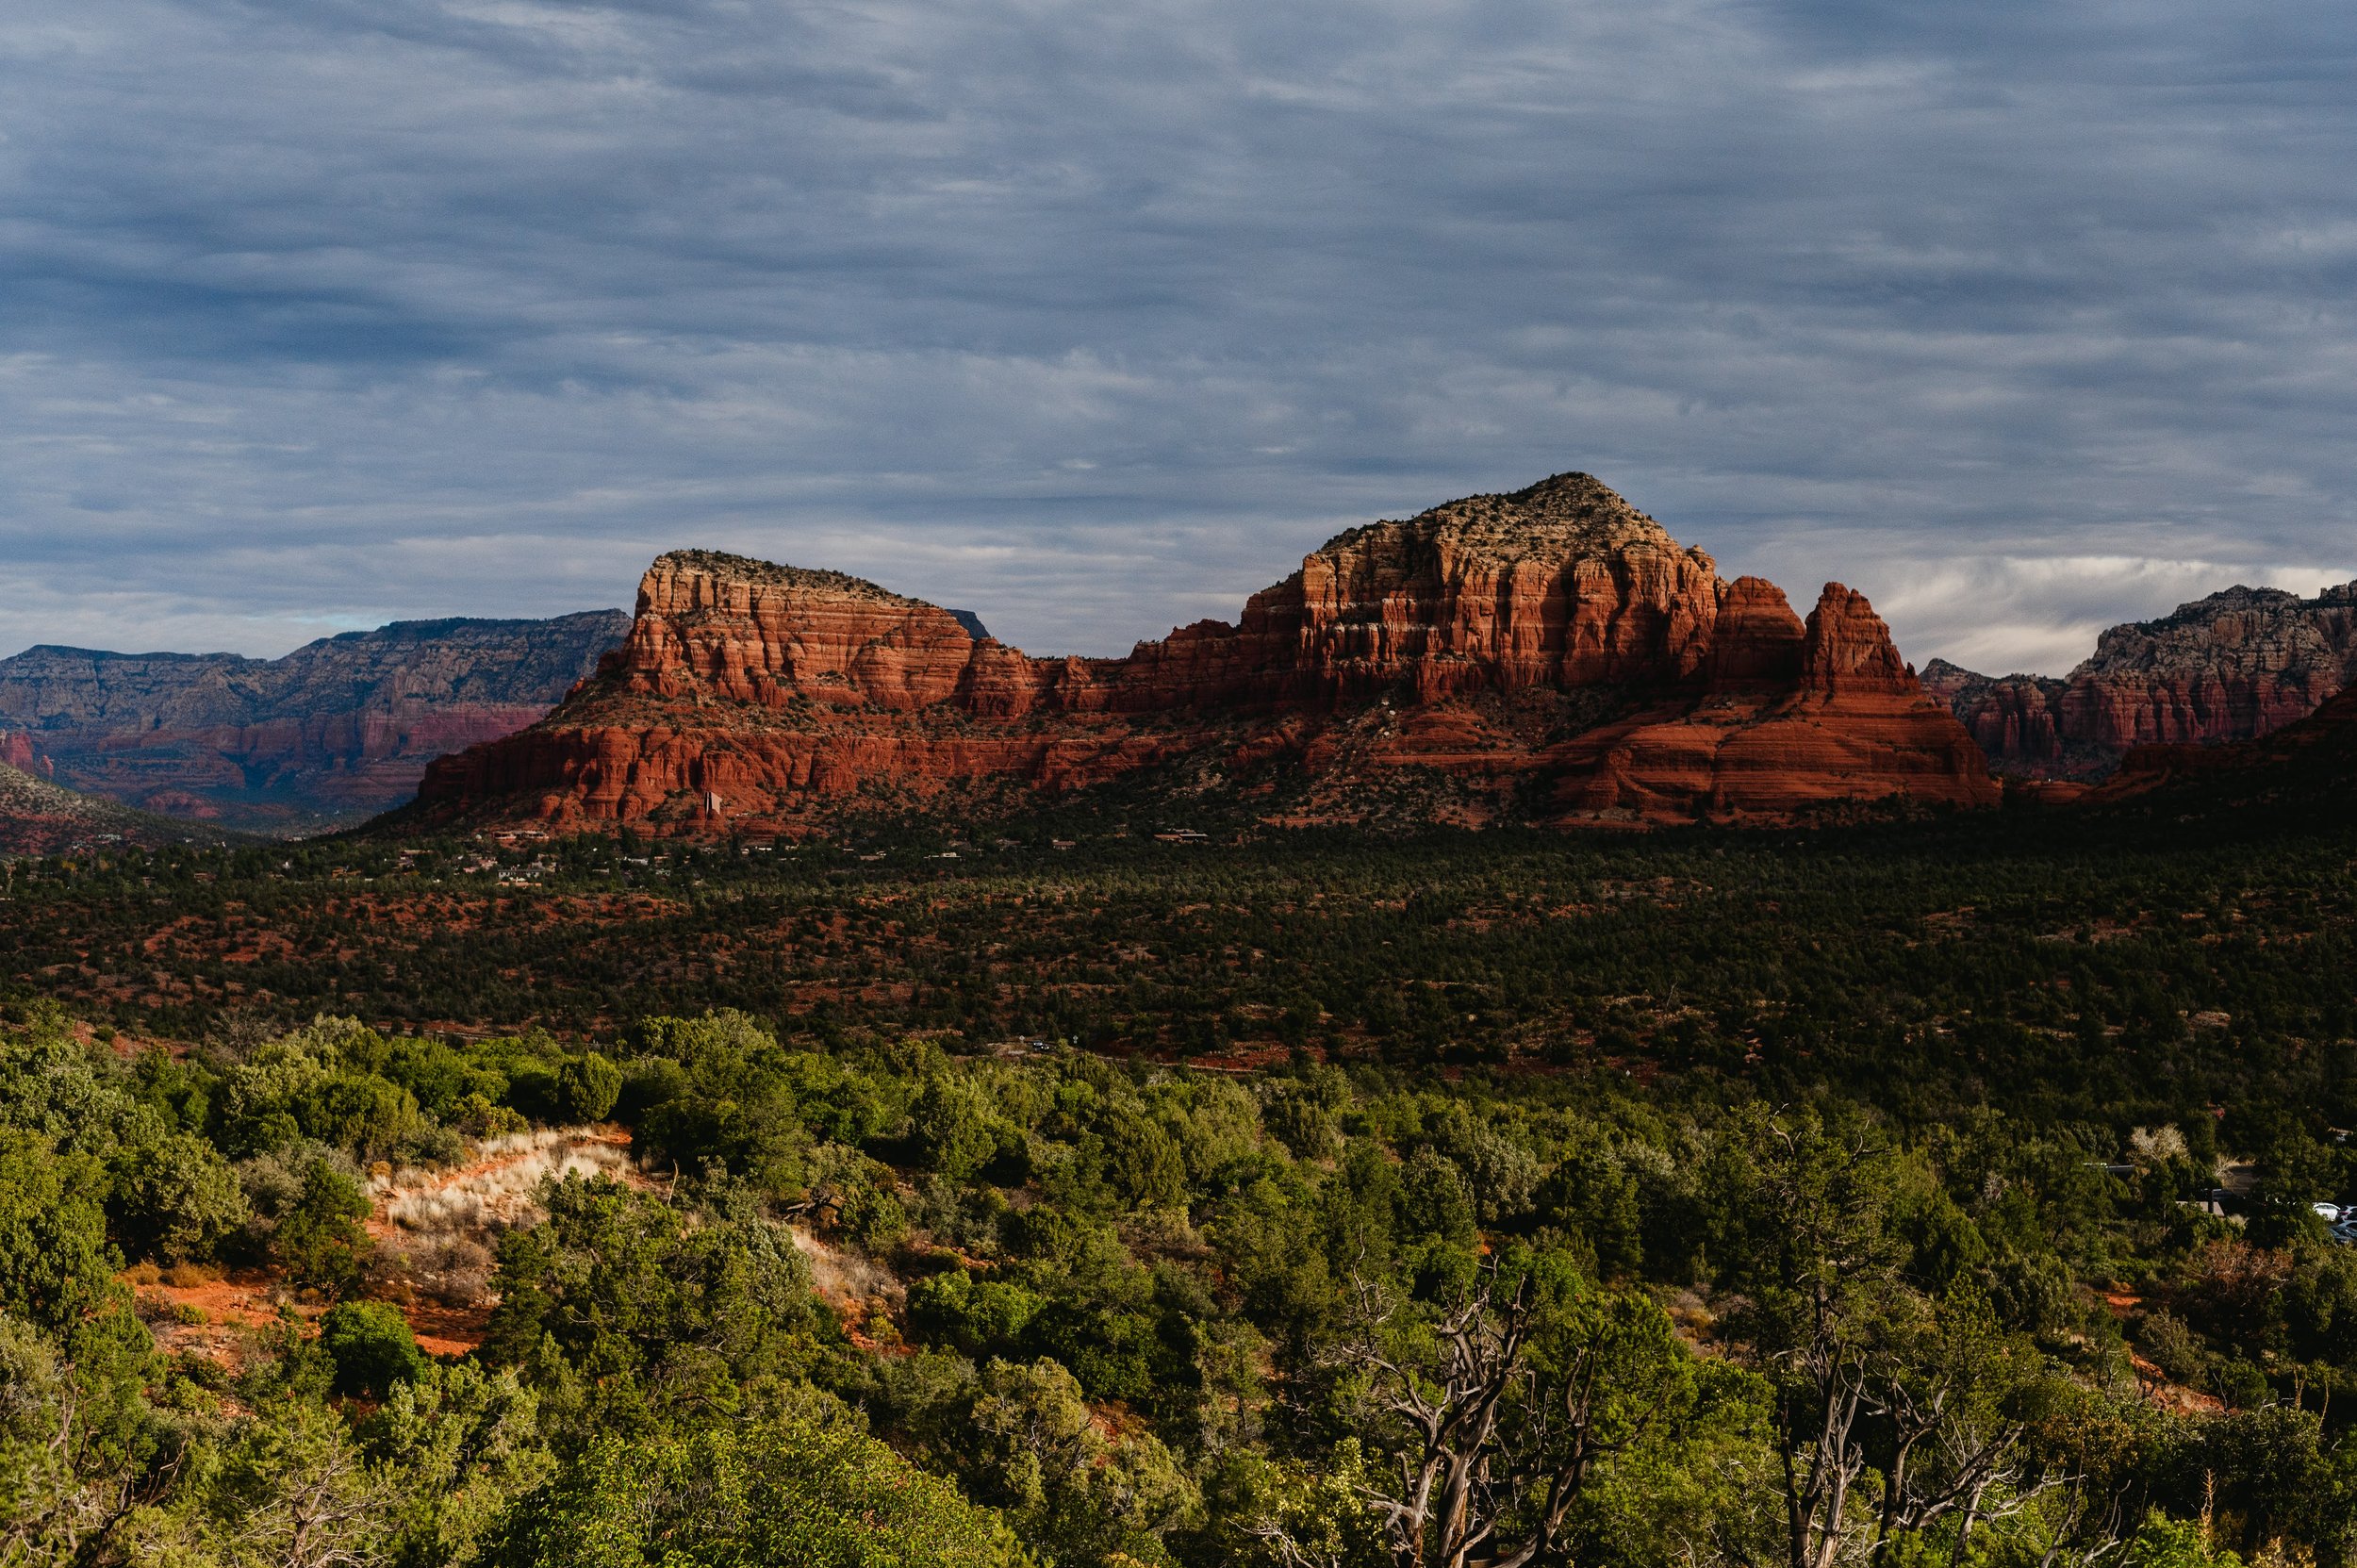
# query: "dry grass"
{"type": "Point", "coordinates": [437, 1231]}
{"type": "Point", "coordinates": [494, 1192]}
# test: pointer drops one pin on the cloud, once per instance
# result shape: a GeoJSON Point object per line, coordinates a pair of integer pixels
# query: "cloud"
{"type": "Point", "coordinates": [1094, 319]}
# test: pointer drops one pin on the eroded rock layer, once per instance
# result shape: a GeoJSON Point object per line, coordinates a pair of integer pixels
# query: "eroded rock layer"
{"type": "Point", "coordinates": [2292, 777]}
{"type": "Point", "coordinates": [2236, 665]}
{"type": "Point", "coordinates": [1553, 646]}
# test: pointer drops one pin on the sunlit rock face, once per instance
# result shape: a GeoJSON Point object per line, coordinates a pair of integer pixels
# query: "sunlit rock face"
{"type": "Point", "coordinates": [1554, 645]}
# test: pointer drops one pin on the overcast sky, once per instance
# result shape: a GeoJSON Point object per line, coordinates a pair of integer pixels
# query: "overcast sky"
{"type": "Point", "coordinates": [2023, 316]}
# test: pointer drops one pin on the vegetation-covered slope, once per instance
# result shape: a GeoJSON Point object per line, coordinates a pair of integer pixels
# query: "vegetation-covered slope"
{"type": "Point", "coordinates": [875, 1303]}
{"type": "Point", "coordinates": [38, 818]}
{"type": "Point", "coordinates": [1935, 1192]}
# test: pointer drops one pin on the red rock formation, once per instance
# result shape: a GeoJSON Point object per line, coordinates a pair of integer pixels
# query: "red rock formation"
{"type": "Point", "coordinates": [2283, 778]}
{"type": "Point", "coordinates": [2236, 665]}
{"type": "Point", "coordinates": [1851, 724]}
{"type": "Point", "coordinates": [17, 750]}
{"type": "Point", "coordinates": [2012, 719]}
{"type": "Point", "coordinates": [1468, 641]}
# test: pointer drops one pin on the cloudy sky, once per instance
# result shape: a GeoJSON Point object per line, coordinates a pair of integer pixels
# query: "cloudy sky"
{"type": "Point", "coordinates": [2024, 316]}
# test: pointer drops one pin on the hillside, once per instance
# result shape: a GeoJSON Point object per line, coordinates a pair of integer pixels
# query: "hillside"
{"type": "Point", "coordinates": [38, 818]}
{"type": "Point", "coordinates": [2304, 773]}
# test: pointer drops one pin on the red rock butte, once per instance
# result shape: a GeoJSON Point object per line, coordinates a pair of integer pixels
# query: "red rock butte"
{"type": "Point", "coordinates": [1552, 653]}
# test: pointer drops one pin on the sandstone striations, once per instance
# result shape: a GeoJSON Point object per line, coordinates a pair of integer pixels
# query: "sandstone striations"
{"type": "Point", "coordinates": [2236, 665]}
{"type": "Point", "coordinates": [1552, 652]}
{"type": "Point", "coordinates": [339, 728]}
{"type": "Point", "coordinates": [2287, 778]}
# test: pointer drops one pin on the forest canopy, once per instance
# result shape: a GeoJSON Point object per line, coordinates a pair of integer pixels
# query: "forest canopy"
{"type": "Point", "coordinates": [1485, 1202]}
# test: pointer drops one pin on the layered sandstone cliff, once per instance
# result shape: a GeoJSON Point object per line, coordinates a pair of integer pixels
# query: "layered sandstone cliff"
{"type": "Point", "coordinates": [2297, 776]}
{"type": "Point", "coordinates": [339, 728]}
{"type": "Point", "coordinates": [1554, 644]}
{"type": "Point", "coordinates": [2236, 665]}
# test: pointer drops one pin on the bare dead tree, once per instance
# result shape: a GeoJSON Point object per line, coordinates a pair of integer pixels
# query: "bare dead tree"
{"type": "Point", "coordinates": [1893, 1415]}
{"type": "Point", "coordinates": [2097, 1524]}
{"type": "Point", "coordinates": [1498, 1444]}
{"type": "Point", "coordinates": [1971, 1458]}
{"type": "Point", "coordinates": [323, 1513]}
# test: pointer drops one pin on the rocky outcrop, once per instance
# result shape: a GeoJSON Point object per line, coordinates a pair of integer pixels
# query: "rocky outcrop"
{"type": "Point", "coordinates": [2236, 665]}
{"type": "Point", "coordinates": [1554, 645]}
{"type": "Point", "coordinates": [17, 750]}
{"type": "Point", "coordinates": [2304, 774]}
{"type": "Point", "coordinates": [1796, 715]}
{"type": "Point", "coordinates": [340, 728]}
{"type": "Point", "coordinates": [2013, 719]}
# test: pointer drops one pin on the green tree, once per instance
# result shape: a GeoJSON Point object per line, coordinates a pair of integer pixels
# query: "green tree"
{"type": "Point", "coordinates": [56, 1262]}
{"type": "Point", "coordinates": [77, 1440]}
{"type": "Point", "coordinates": [587, 1085]}
{"type": "Point", "coordinates": [807, 1488]}
{"type": "Point", "coordinates": [624, 1309]}
{"type": "Point", "coordinates": [952, 1127]}
{"type": "Point", "coordinates": [319, 1240]}
{"type": "Point", "coordinates": [372, 1347]}
{"type": "Point", "coordinates": [176, 1197]}
{"type": "Point", "coordinates": [463, 1447]}
{"type": "Point", "coordinates": [289, 1488]}
{"type": "Point", "coordinates": [1073, 1492]}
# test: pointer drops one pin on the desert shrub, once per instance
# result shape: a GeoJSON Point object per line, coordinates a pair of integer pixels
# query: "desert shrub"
{"type": "Point", "coordinates": [175, 1198]}
{"type": "Point", "coordinates": [371, 1345]}
{"type": "Point", "coordinates": [2171, 1347]}
{"type": "Point", "coordinates": [478, 1118]}
{"type": "Point", "coordinates": [587, 1086]}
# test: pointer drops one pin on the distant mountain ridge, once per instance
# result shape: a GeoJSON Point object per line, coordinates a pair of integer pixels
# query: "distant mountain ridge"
{"type": "Point", "coordinates": [2236, 665]}
{"type": "Point", "coordinates": [338, 729]}
{"type": "Point", "coordinates": [1550, 654]}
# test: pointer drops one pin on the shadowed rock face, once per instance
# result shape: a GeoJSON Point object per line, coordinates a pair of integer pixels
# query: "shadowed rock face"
{"type": "Point", "coordinates": [1554, 644]}
{"type": "Point", "coordinates": [2236, 665]}
{"type": "Point", "coordinates": [2297, 775]}
{"type": "Point", "coordinates": [339, 728]}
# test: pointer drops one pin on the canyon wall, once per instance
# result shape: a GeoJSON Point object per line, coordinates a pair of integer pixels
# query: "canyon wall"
{"type": "Point", "coordinates": [1554, 651]}
{"type": "Point", "coordinates": [339, 729]}
{"type": "Point", "coordinates": [2236, 665]}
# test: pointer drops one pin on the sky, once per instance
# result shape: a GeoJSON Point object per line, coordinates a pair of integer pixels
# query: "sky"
{"type": "Point", "coordinates": [2024, 317]}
